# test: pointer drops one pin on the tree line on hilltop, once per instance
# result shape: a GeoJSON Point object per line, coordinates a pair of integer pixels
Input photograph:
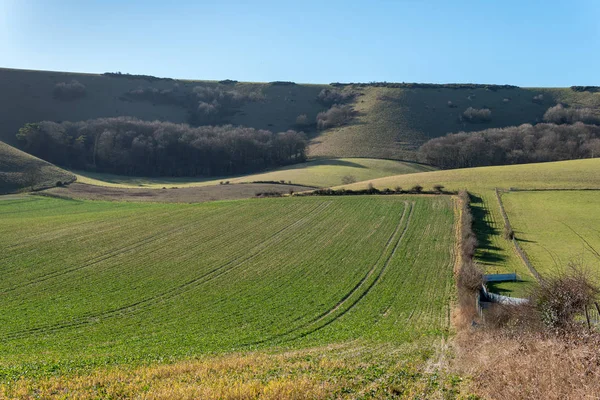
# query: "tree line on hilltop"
{"type": "Point", "coordinates": [130, 146]}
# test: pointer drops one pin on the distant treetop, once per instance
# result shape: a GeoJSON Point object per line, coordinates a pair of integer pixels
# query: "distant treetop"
{"type": "Point", "coordinates": [149, 78]}
{"type": "Point", "coordinates": [407, 85]}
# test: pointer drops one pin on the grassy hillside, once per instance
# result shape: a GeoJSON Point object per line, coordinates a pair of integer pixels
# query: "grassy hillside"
{"type": "Point", "coordinates": [391, 122]}
{"type": "Point", "coordinates": [557, 227]}
{"type": "Point", "coordinates": [576, 174]}
{"type": "Point", "coordinates": [226, 276]}
{"type": "Point", "coordinates": [13, 165]}
{"type": "Point", "coordinates": [494, 252]}
{"type": "Point", "coordinates": [318, 173]}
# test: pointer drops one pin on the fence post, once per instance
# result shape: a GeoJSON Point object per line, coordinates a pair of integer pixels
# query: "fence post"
{"type": "Point", "coordinates": [587, 317]}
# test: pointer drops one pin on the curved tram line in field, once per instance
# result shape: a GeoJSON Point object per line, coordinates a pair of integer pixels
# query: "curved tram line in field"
{"type": "Point", "coordinates": [359, 291]}
{"type": "Point", "coordinates": [143, 304]}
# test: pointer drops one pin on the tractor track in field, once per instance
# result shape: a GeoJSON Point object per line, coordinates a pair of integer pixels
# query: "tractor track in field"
{"type": "Point", "coordinates": [112, 253]}
{"type": "Point", "coordinates": [171, 293]}
{"type": "Point", "coordinates": [588, 244]}
{"type": "Point", "coordinates": [310, 327]}
{"type": "Point", "coordinates": [98, 259]}
{"type": "Point", "coordinates": [70, 228]}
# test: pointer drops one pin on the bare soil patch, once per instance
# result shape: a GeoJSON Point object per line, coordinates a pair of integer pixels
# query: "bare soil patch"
{"type": "Point", "coordinates": [174, 195]}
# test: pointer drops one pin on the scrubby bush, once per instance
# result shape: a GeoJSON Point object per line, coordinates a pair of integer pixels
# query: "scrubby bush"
{"type": "Point", "coordinates": [206, 105]}
{"type": "Point", "coordinates": [538, 99]}
{"type": "Point", "coordinates": [469, 279]}
{"type": "Point", "coordinates": [451, 104]}
{"type": "Point", "coordinates": [475, 115]}
{"type": "Point", "coordinates": [302, 120]}
{"type": "Point", "coordinates": [416, 189]}
{"type": "Point", "coordinates": [438, 188]}
{"type": "Point", "coordinates": [329, 97]}
{"type": "Point", "coordinates": [560, 114]}
{"type": "Point", "coordinates": [337, 115]}
{"type": "Point", "coordinates": [558, 299]}
{"type": "Point", "coordinates": [69, 91]}
{"type": "Point", "coordinates": [348, 179]}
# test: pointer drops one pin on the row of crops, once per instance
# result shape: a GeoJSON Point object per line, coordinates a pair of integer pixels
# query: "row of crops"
{"type": "Point", "coordinates": [99, 282]}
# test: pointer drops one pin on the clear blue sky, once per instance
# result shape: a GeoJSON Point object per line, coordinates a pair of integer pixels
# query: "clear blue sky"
{"type": "Point", "coordinates": [525, 42]}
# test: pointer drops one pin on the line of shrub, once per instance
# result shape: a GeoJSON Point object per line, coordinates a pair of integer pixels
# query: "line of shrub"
{"type": "Point", "coordinates": [469, 277]}
{"type": "Point", "coordinates": [417, 189]}
{"type": "Point", "coordinates": [408, 85]}
{"type": "Point", "coordinates": [136, 76]}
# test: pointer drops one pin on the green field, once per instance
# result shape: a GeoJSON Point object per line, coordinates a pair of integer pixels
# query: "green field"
{"type": "Point", "coordinates": [557, 227]}
{"type": "Point", "coordinates": [94, 283]}
{"type": "Point", "coordinates": [14, 162]}
{"type": "Point", "coordinates": [494, 252]}
{"type": "Point", "coordinates": [318, 173]}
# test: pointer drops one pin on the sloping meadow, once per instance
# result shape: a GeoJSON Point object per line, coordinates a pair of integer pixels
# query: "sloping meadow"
{"type": "Point", "coordinates": [95, 284]}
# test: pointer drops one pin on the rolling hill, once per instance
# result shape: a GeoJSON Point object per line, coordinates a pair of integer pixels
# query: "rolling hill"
{"type": "Point", "coordinates": [495, 253]}
{"type": "Point", "coordinates": [14, 165]}
{"type": "Point", "coordinates": [391, 122]}
{"type": "Point", "coordinates": [302, 274]}
{"type": "Point", "coordinates": [317, 173]}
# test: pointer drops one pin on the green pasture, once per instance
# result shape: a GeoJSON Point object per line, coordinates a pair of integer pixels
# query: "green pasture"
{"type": "Point", "coordinates": [556, 228]}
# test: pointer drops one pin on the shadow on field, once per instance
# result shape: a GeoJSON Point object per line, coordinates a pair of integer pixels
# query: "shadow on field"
{"type": "Point", "coordinates": [484, 232]}
{"type": "Point", "coordinates": [495, 287]}
{"type": "Point", "coordinates": [341, 163]}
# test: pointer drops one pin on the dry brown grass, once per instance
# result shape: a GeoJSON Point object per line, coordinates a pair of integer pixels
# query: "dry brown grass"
{"type": "Point", "coordinates": [344, 371]}
{"type": "Point", "coordinates": [530, 365]}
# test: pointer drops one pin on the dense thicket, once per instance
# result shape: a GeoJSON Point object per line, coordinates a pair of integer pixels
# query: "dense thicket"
{"type": "Point", "coordinates": [68, 91]}
{"type": "Point", "coordinates": [477, 115]}
{"type": "Point", "coordinates": [337, 115]}
{"type": "Point", "coordinates": [205, 105]}
{"type": "Point", "coordinates": [329, 97]}
{"type": "Point", "coordinates": [130, 146]}
{"type": "Point", "coordinates": [560, 114]}
{"type": "Point", "coordinates": [513, 145]}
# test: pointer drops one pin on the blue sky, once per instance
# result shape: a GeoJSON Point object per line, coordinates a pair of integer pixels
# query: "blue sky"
{"type": "Point", "coordinates": [526, 42]}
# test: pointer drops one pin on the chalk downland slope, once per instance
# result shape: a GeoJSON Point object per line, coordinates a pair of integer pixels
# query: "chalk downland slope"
{"type": "Point", "coordinates": [18, 170]}
{"type": "Point", "coordinates": [389, 123]}
{"type": "Point", "coordinates": [317, 173]}
{"type": "Point", "coordinates": [572, 174]}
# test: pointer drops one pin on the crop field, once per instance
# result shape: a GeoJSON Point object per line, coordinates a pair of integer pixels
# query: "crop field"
{"type": "Point", "coordinates": [495, 253]}
{"type": "Point", "coordinates": [317, 173]}
{"type": "Point", "coordinates": [93, 284]}
{"type": "Point", "coordinates": [557, 227]}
